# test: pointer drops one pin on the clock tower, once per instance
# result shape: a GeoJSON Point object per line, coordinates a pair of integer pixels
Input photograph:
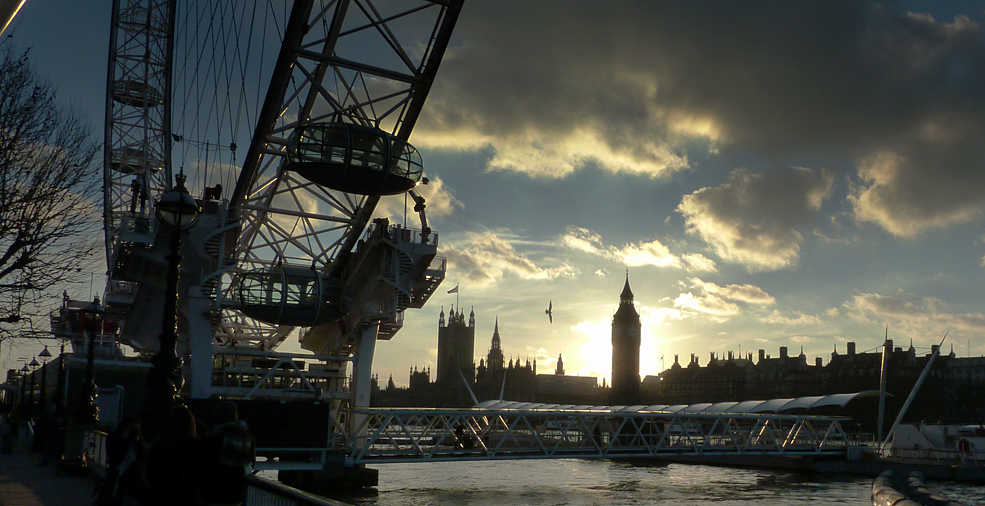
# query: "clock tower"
{"type": "Point", "coordinates": [626, 328]}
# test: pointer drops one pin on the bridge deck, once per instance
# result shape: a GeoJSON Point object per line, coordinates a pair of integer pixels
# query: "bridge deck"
{"type": "Point", "coordinates": [410, 435]}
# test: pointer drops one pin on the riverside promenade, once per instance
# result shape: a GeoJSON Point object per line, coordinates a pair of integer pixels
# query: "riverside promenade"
{"type": "Point", "coordinates": [25, 483]}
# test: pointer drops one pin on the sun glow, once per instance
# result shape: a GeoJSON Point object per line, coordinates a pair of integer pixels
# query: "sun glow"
{"type": "Point", "coordinates": [595, 358]}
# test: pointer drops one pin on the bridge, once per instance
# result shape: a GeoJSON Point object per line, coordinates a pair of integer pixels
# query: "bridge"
{"type": "Point", "coordinates": [411, 435]}
{"type": "Point", "coordinates": [505, 430]}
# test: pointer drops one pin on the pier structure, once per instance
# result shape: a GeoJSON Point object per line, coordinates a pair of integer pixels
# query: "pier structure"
{"type": "Point", "coordinates": [292, 249]}
{"type": "Point", "coordinates": [531, 431]}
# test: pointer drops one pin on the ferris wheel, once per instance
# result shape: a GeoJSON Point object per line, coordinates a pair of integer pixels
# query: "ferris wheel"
{"type": "Point", "coordinates": [343, 83]}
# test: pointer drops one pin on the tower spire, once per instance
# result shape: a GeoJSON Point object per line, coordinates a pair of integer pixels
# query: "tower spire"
{"type": "Point", "coordinates": [626, 297]}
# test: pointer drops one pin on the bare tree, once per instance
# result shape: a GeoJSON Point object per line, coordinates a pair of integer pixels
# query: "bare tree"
{"type": "Point", "coordinates": [49, 189]}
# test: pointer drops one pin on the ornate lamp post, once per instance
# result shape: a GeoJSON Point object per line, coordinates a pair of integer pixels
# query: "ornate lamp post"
{"type": "Point", "coordinates": [60, 383]}
{"type": "Point", "coordinates": [179, 211]}
{"type": "Point", "coordinates": [43, 397]}
{"type": "Point", "coordinates": [30, 403]}
{"type": "Point", "coordinates": [23, 391]}
{"type": "Point", "coordinates": [86, 412]}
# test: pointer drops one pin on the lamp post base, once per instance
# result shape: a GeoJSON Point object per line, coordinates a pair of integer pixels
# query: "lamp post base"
{"type": "Point", "coordinates": [164, 381]}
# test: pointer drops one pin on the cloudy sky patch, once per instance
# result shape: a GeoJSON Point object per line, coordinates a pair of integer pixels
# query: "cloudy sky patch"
{"type": "Point", "coordinates": [771, 173]}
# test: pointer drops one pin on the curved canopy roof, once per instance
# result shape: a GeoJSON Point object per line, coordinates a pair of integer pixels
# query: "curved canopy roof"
{"type": "Point", "coordinates": [801, 403]}
{"type": "Point", "coordinates": [721, 407]}
{"type": "Point", "coordinates": [696, 408]}
{"type": "Point", "coordinates": [768, 406]}
{"type": "Point", "coordinates": [744, 407]}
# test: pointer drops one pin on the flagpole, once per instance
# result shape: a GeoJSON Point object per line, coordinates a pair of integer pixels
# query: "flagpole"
{"type": "Point", "coordinates": [455, 291]}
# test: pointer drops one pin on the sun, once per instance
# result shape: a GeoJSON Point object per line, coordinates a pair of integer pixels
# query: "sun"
{"type": "Point", "coordinates": [595, 358]}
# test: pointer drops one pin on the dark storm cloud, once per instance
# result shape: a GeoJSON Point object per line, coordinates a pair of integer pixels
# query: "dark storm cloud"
{"type": "Point", "coordinates": [639, 86]}
{"type": "Point", "coordinates": [925, 185]}
{"type": "Point", "coordinates": [777, 75]}
{"type": "Point", "coordinates": [754, 218]}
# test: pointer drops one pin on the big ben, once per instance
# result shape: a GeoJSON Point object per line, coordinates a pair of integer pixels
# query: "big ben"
{"type": "Point", "coordinates": [626, 328]}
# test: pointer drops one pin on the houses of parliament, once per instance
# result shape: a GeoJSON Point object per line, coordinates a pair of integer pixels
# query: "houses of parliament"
{"type": "Point", "coordinates": [953, 391]}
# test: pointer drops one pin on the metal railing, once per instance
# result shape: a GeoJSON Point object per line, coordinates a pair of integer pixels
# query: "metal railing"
{"type": "Point", "coordinates": [260, 491]}
{"type": "Point", "coordinates": [94, 449]}
{"type": "Point", "coordinates": [263, 492]}
{"type": "Point", "coordinates": [935, 455]}
{"type": "Point", "coordinates": [411, 435]}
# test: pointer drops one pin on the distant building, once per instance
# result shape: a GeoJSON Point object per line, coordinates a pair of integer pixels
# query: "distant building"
{"type": "Point", "coordinates": [626, 329]}
{"type": "Point", "coordinates": [456, 348]}
{"type": "Point", "coordinates": [952, 392]}
{"type": "Point", "coordinates": [515, 380]}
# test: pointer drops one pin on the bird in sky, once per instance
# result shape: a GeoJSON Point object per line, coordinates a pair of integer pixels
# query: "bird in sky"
{"type": "Point", "coordinates": [550, 314]}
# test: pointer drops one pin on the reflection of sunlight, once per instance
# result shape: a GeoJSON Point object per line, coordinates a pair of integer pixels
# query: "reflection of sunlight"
{"type": "Point", "coordinates": [652, 342]}
{"type": "Point", "coordinates": [650, 350]}
{"type": "Point", "coordinates": [596, 349]}
{"type": "Point", "coordinates": [595, 358]}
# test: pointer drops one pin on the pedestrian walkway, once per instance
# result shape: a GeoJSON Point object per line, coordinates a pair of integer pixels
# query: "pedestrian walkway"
{"type": "Point", "coordinates": [25, 483]}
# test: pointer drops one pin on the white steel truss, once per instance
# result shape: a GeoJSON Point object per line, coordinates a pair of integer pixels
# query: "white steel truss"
{"type": "Point", "coordinates": [353, 61]}
{"type": "Point", "coordinates": [137, 169]}
{"type": "Point", "coordinates": [411, 435]}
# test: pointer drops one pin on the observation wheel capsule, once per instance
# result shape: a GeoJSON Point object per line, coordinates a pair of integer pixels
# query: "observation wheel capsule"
{"type": "Point", "coordinates": [354, 159]}
{"type": "Point", "coordinates": [290, 296]}
{"type": "Point", "coordinates": [136, 94]}
{"type": "Point", "coordinates": [133, 161]}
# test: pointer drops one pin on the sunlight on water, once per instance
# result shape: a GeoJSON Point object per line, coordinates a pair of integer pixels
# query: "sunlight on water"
{"type": "Point", "coordinates": [589, 483]}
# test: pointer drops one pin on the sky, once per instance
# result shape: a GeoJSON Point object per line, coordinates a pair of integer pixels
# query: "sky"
{"type": "Point", "coordinates": [798, 174]}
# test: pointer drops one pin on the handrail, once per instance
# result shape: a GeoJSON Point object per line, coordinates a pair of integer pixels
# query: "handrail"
{"type": "Point", "coordinates": [263, 492]}
{"type": "Point", "coordinates": [260, 491]}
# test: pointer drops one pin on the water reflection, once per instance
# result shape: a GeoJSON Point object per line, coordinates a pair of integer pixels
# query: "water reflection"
{"type": "Point", "coordinates": [591, 482]}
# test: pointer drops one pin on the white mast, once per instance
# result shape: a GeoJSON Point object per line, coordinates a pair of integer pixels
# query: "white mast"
{"type": "Point", "coordinates": [913, 393]}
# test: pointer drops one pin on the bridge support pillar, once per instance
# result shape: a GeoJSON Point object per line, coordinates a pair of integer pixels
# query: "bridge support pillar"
{"type": "Point", "coordinates": [200, 345]}
{"type": "Point", "coordinates": [362, 372]}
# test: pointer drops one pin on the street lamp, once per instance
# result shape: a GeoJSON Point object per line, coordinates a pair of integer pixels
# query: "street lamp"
{"type": "Point", "coordinates": [60, 383]}
{"type": "Point", "coordinates": [45, 355]}
{"type": "Point", "coordinates": [24, 391]}
{"type": "Point", "coordinates": [86, 412]}
{"type": "Point", "coordinates": [180, 212]}
{"type": "Point", "coordinates": [30, 403]}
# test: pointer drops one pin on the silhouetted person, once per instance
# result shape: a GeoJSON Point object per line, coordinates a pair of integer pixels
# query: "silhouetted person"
{"type": "Point", "coordinates": [460, 436]}
{"type": "Point", "coordinates": [125, 452]}
{"type": "Point", "coordinates": [175, 462]}
{"type": "Point", "coordinates": [14, 419]}
{"type": "Point", "coordinates": [55, 445]}
{"type": "Point", "coordinates": [230, 455]}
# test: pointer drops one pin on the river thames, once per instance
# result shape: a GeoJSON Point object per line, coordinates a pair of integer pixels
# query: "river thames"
{"type": "Point", "coordinates": [601, 482]}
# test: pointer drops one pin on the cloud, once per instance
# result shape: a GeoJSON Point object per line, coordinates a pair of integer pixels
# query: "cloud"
{"type": "Point", "coordinates": [525, 80]}
{"type": "Point", "coordinates": [721, 301]}
{"type": "Point", "coordinates": [798, 318]}
{"type": "Point", "coordinates": [437, 195]}
{"type": "Point", "coordinates": [698, 262]}
{"type": "Point", "coordinates": [653, 253]}
{"type": "Point", "coordinates": [924, 315]}
{"type": "Point", "coordinates": [486, 259]}
{"type": "Point", "coordinates": [742, 293]}
{"type": "Point", "coordinates": [753, 219]}
{"type": "Point", "coordinates": [660, 315]}
{"type": "Point", "coordinates": [711, 305]}
{"type": "Point", "coordinates": [924, 186]}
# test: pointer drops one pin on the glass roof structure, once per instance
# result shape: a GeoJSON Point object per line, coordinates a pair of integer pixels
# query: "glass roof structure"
{"type": "Point", "coordinates": [767, 406]}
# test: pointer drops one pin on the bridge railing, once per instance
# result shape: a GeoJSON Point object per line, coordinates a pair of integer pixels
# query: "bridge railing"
{"type": "Point", "coordinates": [262, 492]}
{"type": "Point", "coordinates": [406, 435]}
